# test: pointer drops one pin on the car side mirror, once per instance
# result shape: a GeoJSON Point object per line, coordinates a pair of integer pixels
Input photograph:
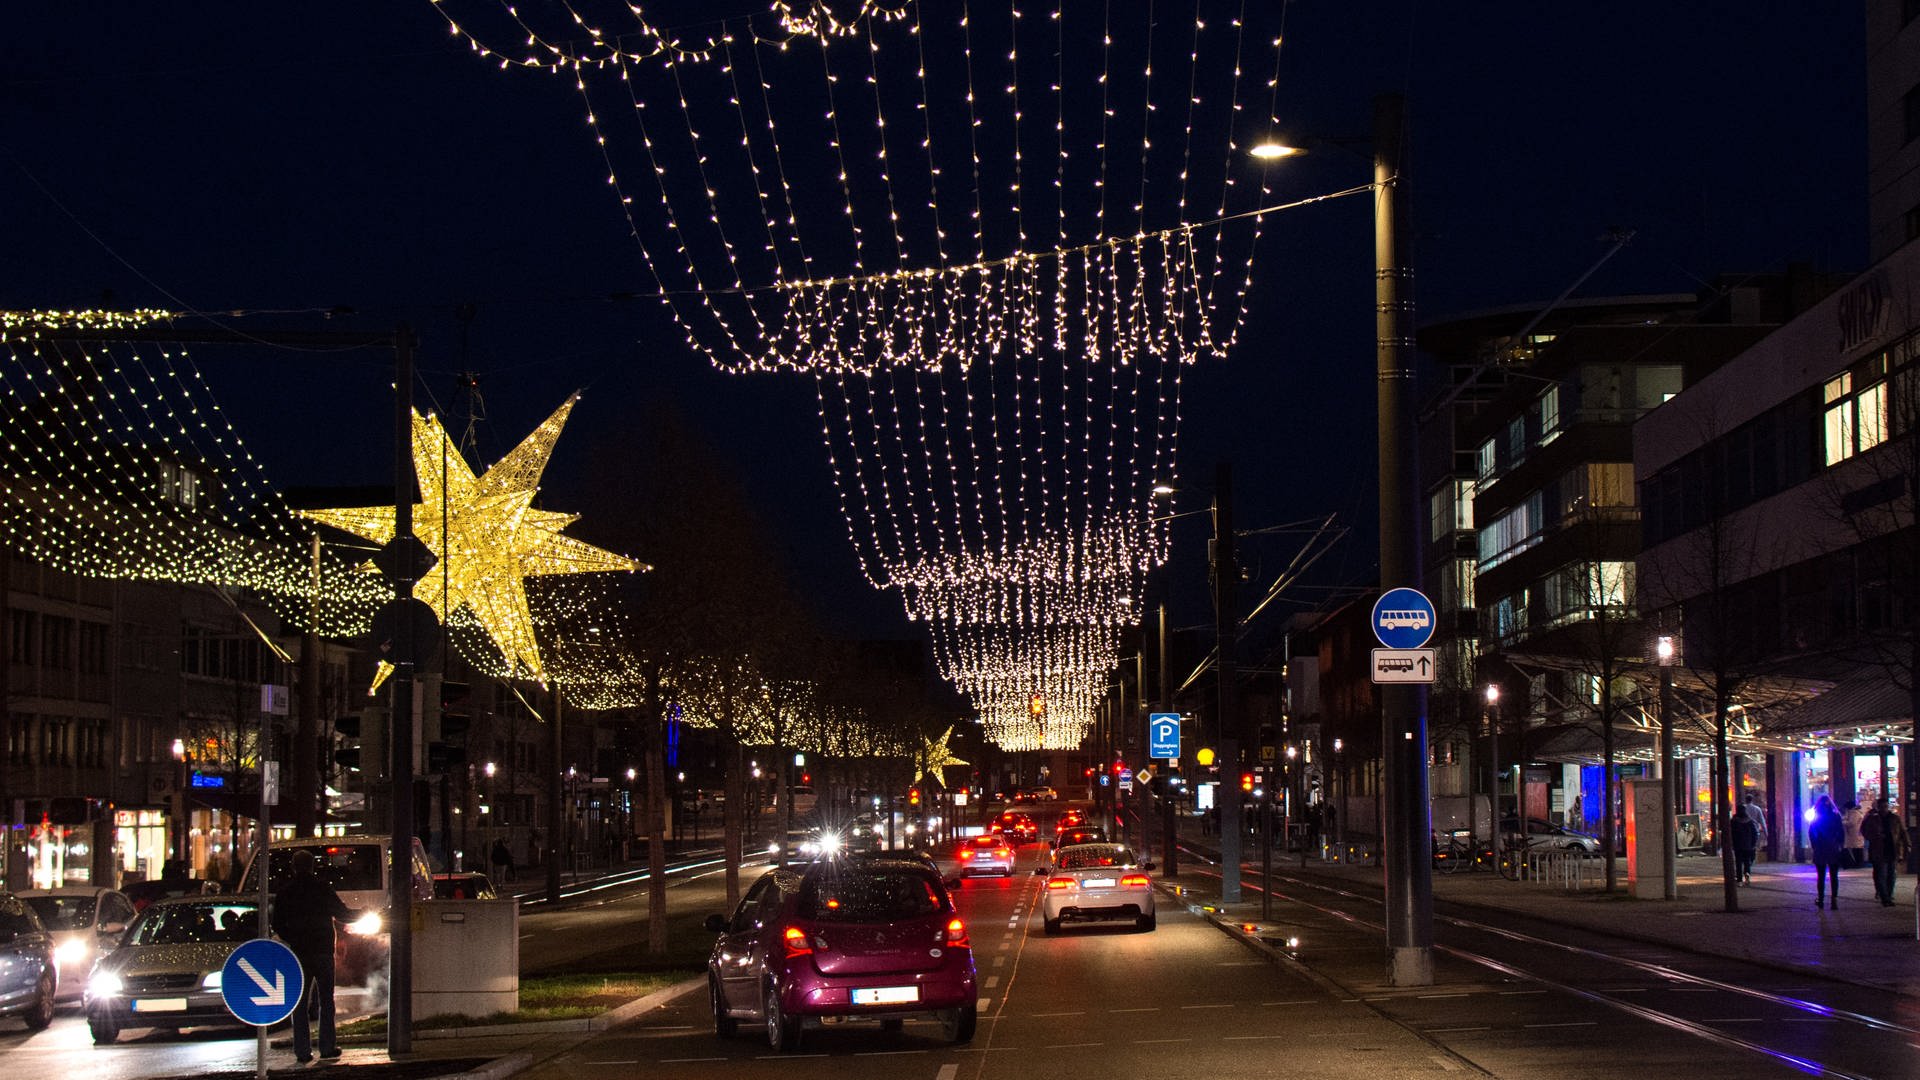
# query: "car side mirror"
{"type": "Point", "coordinates": [716, 924]}
{"type": "Point", "coordinates": [1149, 865]}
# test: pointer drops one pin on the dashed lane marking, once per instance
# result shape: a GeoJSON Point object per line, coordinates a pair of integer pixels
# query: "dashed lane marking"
{"type": "Point", "coordinates": [992, 981]}
{"type": "Point", "coordinates": [947, 1072]}
{"type": "Point", "coordinates": [1079, 1013]}
{"type": "Point", "coordinates": [1070, 1046]}
{"type": "Point", "coordinates": [983, 1004]}
{"type": "Point", "coordinates": [1156, 1009]}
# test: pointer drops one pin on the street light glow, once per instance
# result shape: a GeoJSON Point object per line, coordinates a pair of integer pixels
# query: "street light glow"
{"type": "Point", "coordinates": [1493, 693]}
{"type": "Point", "coordinates": [1273, 150]}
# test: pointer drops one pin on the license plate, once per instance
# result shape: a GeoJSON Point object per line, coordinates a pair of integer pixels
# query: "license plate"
{"type": "Point", "coordinates": [886, 995]}
{"type": "Point", "coordinates": [147, 1005]}
{"type": "Point", "coordinates": [1099, 883]}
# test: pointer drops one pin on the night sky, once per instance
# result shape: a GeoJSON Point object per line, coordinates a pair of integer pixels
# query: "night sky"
{"type": "Point", "coordinates": [296, 159]}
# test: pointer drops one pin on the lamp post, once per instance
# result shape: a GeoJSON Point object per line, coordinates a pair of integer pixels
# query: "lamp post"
{"type": "Point", "coordinates": [1407, 817]}
{"type": "Point", "coordinates": [1493, 764]}
{"type": "Point", "coordinates": [1667, 652]}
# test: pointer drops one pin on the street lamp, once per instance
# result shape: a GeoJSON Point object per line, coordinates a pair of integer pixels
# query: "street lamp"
{"type": "Point", "coordinates": [1666, 651]}
{"type": "Point", "coordinates": [1408, 826]}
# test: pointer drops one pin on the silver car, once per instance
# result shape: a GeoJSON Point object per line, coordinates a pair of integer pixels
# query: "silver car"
{"type": "Point", "coordinates": [86, 923]}
{"type": "Point", "coordinates": [166, 971]}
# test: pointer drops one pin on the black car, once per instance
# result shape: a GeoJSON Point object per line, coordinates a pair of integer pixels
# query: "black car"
{"type": "Point", "coordinates": [28, 978]}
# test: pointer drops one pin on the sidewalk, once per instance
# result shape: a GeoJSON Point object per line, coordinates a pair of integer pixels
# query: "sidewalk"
{"type": "Point", "coordinates": [1861, 942]}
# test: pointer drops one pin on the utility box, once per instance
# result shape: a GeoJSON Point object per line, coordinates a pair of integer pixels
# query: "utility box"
{"type": "Point", "coordinates": [466, 957]}
{"type": "Point", "coordinates": [1646, 864]}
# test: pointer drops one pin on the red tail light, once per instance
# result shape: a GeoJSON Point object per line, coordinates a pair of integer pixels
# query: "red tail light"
{"type": "Point", "coordinates": [957, 935]}
{"type": "Point", "coordinates": [796, 940]}
{"type": "Point", "coordinates": [1003, 853]}
{"type": "Point", "coordinates": [1059, 883]}
{"type": "Point", "coordinates": [1133, 880]}
{"type": "Point", "coordinates": [966, 853]}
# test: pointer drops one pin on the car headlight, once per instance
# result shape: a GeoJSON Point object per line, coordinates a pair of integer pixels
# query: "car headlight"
{"type": "Point", "coordinates": [212, 981]}
{"type": "Point", "coordinates": [366, 925]}
{"type": "Point", "coordinates": [773, 849]}
{"type": "Point", "coordinates": [71, 952]}
{"type": "Point", "coordinates": [104, 984]}
{"type": "Point", "coordinates": [830, 843]}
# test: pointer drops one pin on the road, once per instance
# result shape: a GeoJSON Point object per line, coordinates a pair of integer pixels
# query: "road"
{"type": "Point", "coordinates": [1514, 998]}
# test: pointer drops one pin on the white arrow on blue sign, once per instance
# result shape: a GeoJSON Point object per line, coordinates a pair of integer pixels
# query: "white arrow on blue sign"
{"type": "Point", "coordinates": [1163, 735]}
{"type": "Point", "coordinates": [261, 982]}
{"type": "Point", "coordinates": [1403, 619]}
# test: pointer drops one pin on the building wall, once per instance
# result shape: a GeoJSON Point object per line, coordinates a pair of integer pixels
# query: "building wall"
{"type": "Point", "coordinates": [1893, 148]}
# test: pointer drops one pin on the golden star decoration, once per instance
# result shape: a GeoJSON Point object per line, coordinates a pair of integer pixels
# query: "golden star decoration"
{"type": "Point", "coordinates": [486, 534]}
{"type": "Point", "coordinates": [935, 757]}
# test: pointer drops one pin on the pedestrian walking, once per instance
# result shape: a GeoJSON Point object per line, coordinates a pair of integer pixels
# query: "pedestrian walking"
{"type": "Point", "coordinates": [1827, 832]}
{"type": "Point", "coordinates": [502, 860]}
{"type": "Point", "coordinates": [1745, 832]}
{"type": "Point", "coordinates": [304, 913]}
{"type": "Point", "coordinates": [1855, 854]}
{"type": "Point", "coordinates": [1887, 844]}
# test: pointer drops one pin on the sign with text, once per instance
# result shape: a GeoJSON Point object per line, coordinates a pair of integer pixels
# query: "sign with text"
{"type": "Point", "coordinates": [1163, 735]}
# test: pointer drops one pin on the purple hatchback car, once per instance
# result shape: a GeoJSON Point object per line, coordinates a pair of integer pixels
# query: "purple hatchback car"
{"type": "Point", "coordinates": [840, 941]}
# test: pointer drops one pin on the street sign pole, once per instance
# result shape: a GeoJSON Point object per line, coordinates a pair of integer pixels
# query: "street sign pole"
{"type": "Point", "coordinates": [269, 782]}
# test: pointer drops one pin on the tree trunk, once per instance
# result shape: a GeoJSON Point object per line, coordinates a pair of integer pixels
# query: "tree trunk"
{"type": "Point", "coordinates": [733, 814]}
{"type": "Point", "coordinates": [656, 825]}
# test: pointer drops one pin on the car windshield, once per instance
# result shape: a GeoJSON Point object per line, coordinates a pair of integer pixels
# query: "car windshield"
{"type": "Point", "coordinates": [874, 895]}
{"type": "Point", "coordinates": [15, 921]}
{"type": "Point", "coordinates": [1090, 856]}
{"type": "Point", "coordinates": [346, 867]}
{"type": "Point", "coordinates": [63, 912]}
{"type": "Point", "coordinates": [198, 923]}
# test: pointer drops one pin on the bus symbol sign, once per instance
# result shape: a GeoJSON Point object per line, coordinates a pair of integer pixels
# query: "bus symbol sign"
{"type": "Point", "coordinates": [1403, 619]}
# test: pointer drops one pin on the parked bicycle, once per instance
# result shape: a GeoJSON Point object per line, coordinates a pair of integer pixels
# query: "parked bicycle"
{"type": "Point", "coordinates": [1460, 851]}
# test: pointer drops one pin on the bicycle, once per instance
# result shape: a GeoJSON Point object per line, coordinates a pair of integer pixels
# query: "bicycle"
{"type": "Point", "coordinates": [1513, 858]}
{"type": "Point", "coordinates": [1459, 853]}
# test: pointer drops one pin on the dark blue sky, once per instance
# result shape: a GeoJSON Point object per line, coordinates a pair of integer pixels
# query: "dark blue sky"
{"type": "Point", "coordinates": [242, 156]}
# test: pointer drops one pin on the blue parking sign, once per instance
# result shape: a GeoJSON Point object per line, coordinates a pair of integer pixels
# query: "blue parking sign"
{"type": "Point", "coordinates": [1163, 736]}
{"type": "Point", "coordinates": [1403, 619]}
{"type": "Point", "coordinates": [261, 982]}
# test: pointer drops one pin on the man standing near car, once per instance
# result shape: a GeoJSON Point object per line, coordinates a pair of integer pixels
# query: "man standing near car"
{"type": "Point", "coordinates": [305, 910]}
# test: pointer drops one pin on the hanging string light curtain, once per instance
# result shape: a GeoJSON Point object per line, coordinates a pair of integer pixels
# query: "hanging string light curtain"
{"type": "Point", "coordinates": [995, 235]}
{"type": "Point", "coordinates": [120, 464]}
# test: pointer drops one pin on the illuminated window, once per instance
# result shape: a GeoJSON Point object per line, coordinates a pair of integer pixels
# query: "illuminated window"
{"type": "Point", "coordinates": [1854, 421]}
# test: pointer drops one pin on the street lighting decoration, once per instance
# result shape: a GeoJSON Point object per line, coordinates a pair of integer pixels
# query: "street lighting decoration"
{"type": "Point", "coordinates": [486, 535]}
{"type": "Point", "coordinates": [994, 282]}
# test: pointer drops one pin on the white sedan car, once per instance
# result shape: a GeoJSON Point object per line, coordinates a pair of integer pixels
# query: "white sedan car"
{"type": "Point", "coordinates": [1095, 882]}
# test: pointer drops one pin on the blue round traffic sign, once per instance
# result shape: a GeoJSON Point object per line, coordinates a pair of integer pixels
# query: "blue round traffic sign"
{"type": "Point", "coordinates": [261, 982]}
{"type": "Point", "coordinates": [1403, 619]}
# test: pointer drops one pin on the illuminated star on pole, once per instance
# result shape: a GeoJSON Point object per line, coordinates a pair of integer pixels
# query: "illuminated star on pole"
{"type": "Point", "coordinates": [486, 534]}
{"type": "Point", "coordinates": [934, 758]}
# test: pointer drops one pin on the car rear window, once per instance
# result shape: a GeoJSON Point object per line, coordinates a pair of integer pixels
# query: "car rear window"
{"type": "Point", "coordinates": [346, 867]}
{"type": "Point", "coordinates": [869, 896]}
{"type": "Point", "coordinates": [63, 912]}
{"type": "Point", "coordinates": [1088, 856]}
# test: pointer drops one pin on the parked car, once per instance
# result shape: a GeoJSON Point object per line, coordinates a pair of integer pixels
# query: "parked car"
{"type": "Point", "coordinates": [463, 885]}
{"type": "Point", "coordinates": [1098, 881]}
{"type": "Point", "coordinates": [1543, 834]}
{"type": "Point", "coordinates": [85, 922]}
{"type": "Point", "coordinates": [870, 939]}
{"type": "Point", "coordinates": [29, 977]}
{"type": "Point", "coordinates": [166, 971]}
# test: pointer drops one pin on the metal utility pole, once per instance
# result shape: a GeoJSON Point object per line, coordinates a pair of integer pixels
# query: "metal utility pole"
{"type": "Point", "coordinates": [1665, 653]}
{"type": "Point", "coordinates": [400, 730]}
{"type": "Point", "coordinates": [1171, 865]}
{"type": "Point", "coordinates": [1226, 627]}
{"type": "Point", "coordinates": [1403, 708]}
{"type": "Point", "coordinates": [556, 800]}
{"type": "Point", "coordinates": [306, 732]}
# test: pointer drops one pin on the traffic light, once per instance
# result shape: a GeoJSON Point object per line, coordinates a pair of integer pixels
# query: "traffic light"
{"type": "Point", "coordinates": [1246, 781]}
{"type": "Point", "coordinates": [913, 796]}
{"type": "Point", "coordinates": [347, 757]}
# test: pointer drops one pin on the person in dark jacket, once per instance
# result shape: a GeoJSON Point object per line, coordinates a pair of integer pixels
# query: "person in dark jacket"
{"type": "Point", "coordinates": [1745, 830]}
{"type": "Point", "coordinates": [305, 910]}
{"type": "Point", "coordinates": [1887, 844]}
{"type": "Point", "coordinates": [1826, 835]}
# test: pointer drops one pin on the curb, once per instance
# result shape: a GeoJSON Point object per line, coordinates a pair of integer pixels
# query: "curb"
{"type": "Point", "coordinates": [613, 1017]}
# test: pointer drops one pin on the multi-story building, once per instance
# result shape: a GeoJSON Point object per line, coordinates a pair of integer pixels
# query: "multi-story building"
{"type": "Point", "coordinates": [1893, 125]}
